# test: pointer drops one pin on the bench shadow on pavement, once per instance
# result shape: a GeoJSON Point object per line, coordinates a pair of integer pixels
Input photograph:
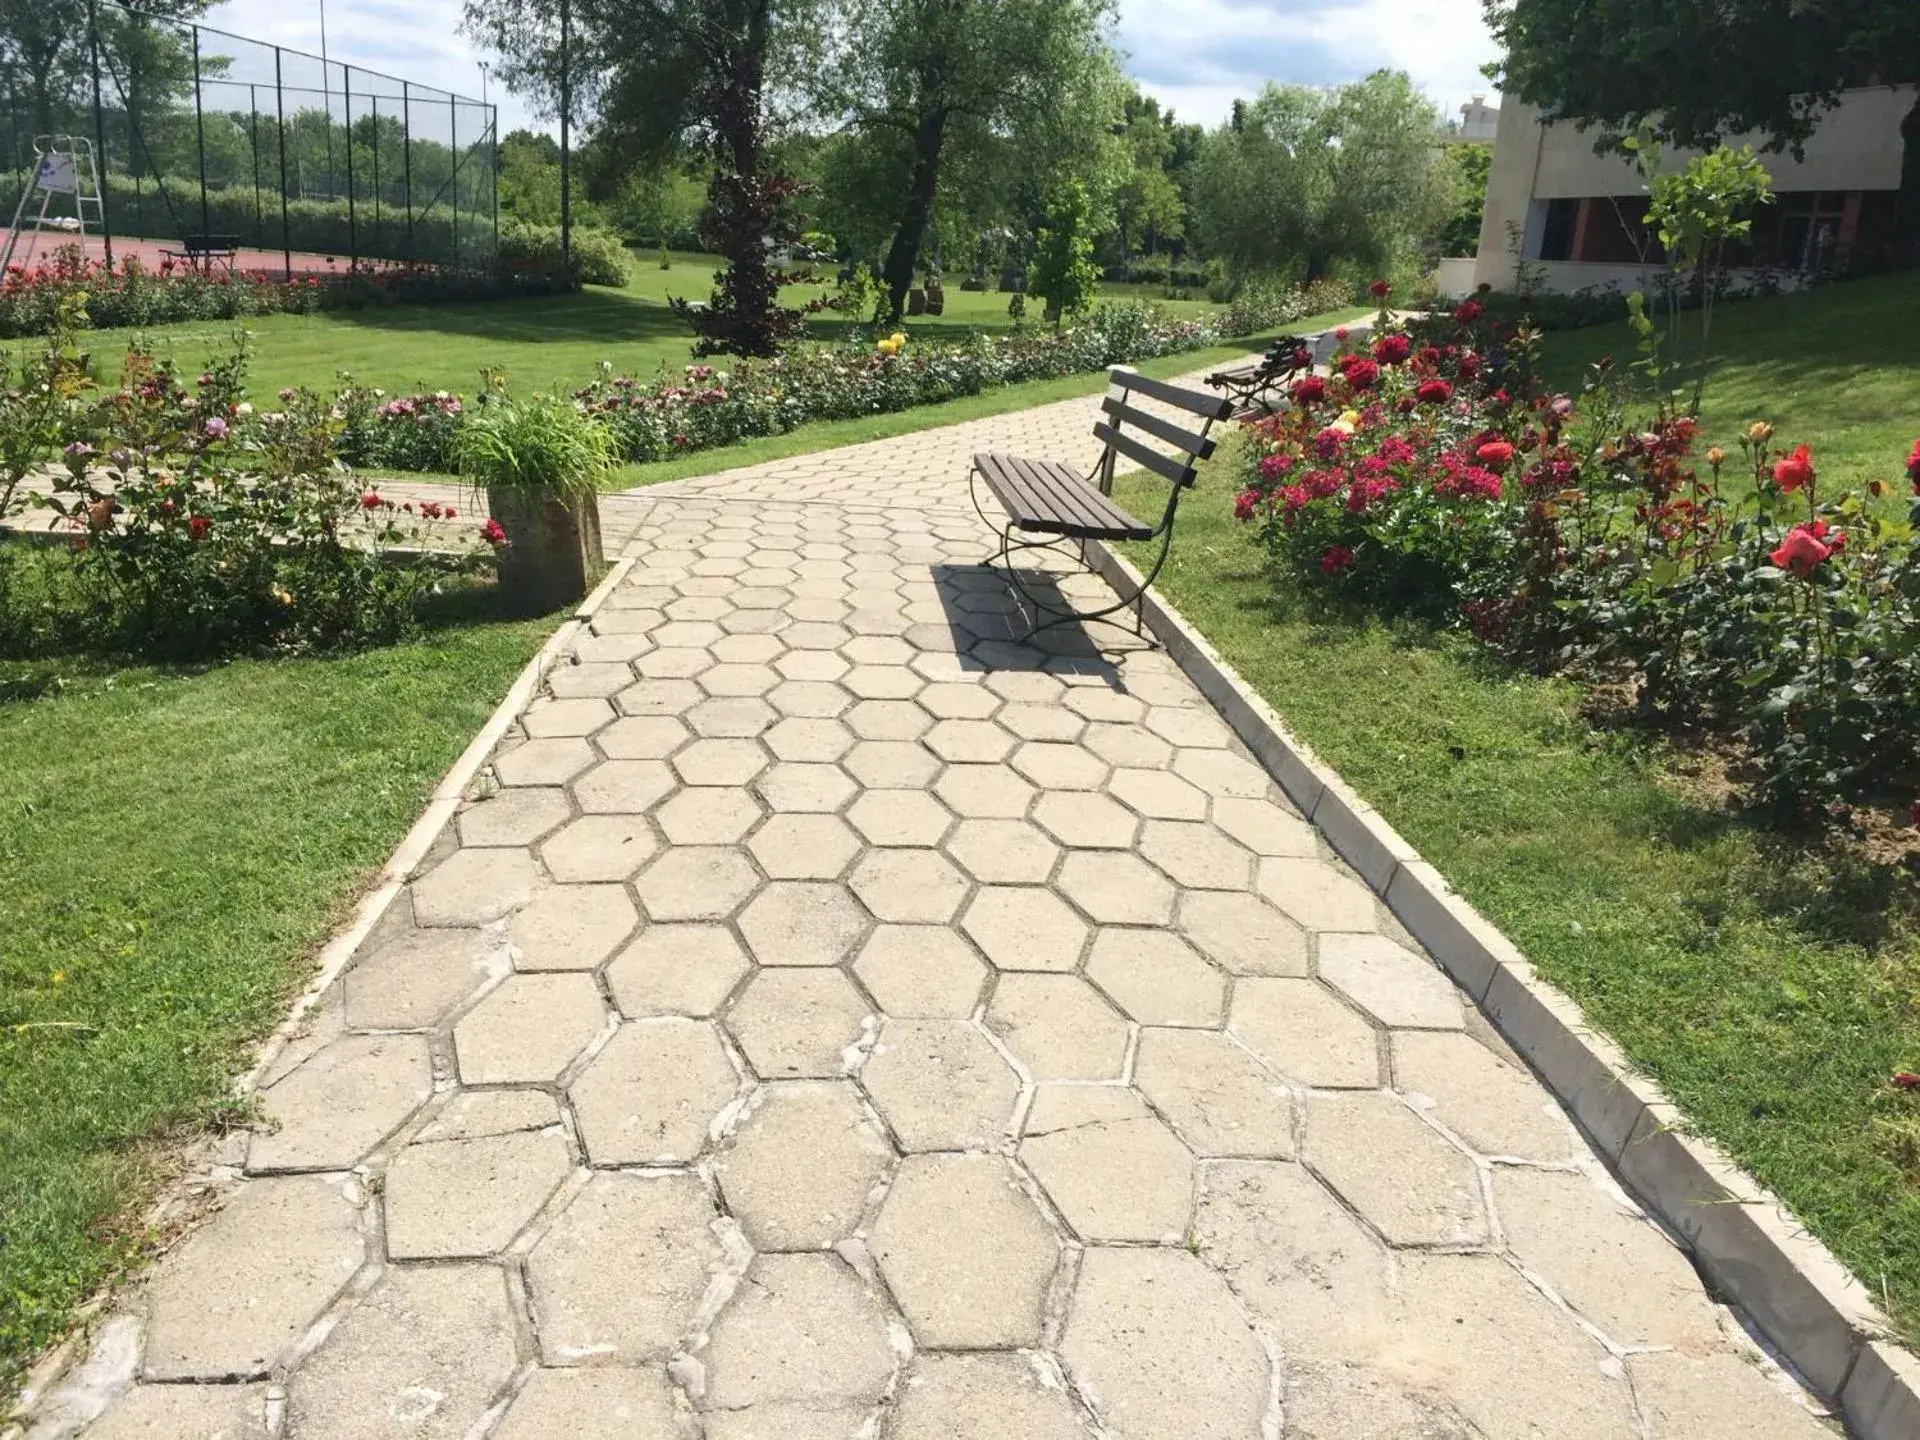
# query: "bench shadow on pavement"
{"type": "Point", "coordinates": [986, 627]}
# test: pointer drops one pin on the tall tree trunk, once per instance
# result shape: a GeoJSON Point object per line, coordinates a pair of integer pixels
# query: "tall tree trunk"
{"type": "Point", "coordinates": [1906, 221]}
{"type": "Point", "coordinates": [904, 253]}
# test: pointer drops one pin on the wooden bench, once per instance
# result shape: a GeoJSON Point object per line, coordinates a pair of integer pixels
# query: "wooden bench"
{"type": "Point", "coordinates": [202, 252]}
{"type": "Point", "coordinates": [1252, 387]}
{"type": "Point", "coordinates": [1052, 500]}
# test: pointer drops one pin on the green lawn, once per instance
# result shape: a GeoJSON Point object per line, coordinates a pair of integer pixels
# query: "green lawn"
{"type": "Point", "coordinates": [173, 848]}
{"type": "Point", "coordinates": [1771, 989]}
{"type": "Point", "coordinates": [1837, 368]}
{"type": "Point", "coordinates": [541, 342]}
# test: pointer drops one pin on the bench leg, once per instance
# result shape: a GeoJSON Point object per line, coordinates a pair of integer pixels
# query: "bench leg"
{"type": "Point", "coordinates": [1042, 616]}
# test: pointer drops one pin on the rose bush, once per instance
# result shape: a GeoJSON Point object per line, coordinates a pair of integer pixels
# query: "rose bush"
{"type": "Point", "coordinates": [1432, 473]}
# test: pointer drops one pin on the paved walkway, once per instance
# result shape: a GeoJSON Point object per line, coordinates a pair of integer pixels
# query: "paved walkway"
{"type": "Point", "coordinates": [841, 1022]}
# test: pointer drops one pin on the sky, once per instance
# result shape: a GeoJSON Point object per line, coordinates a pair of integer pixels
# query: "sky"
{"type": "Point", "coordinates": [1195, 55]}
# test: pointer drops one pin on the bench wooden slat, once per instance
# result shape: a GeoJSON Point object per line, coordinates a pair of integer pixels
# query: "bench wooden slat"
{"type": "Point", "coordinates": [1051, 500]}
{"type": "Point", "coordinates": [1198, 402]}
{"type": "Point", "coordinates": [1164, 466]}
{"type": "Point", "coordinates": [1199, 446]}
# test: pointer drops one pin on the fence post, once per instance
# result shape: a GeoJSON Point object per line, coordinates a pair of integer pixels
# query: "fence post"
{"type": "Point", "coordinates": [379, 230]}
{"type": "Point", "coordinates": [280, 111]}
{"type": "Point", "coordinates": [453, 149]}
{"type": "Point", "coordinates": [200, 134]}
{"type": "Point", "coordinates": [99, 137]}
{"type": "Point", "coordinates": [353, 221]}
{"type": "Point", "coordinates": [493, 132]}
{"type": "Point", "coordinates": [406, 156]}
{"type": "Point", "coordinates": [566, 115]}
{"type": "Point", "coordinates": [253, 149]}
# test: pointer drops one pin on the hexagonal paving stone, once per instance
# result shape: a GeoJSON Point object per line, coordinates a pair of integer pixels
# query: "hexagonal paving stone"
{"type": "Point", "coordinates": [245, 1286]}
{"type": "Point", "coordinates": [954, 700]}
{"type": "Point", "coordinates": [731, 718]}
{"type": "Point", "coordinates": [514, 817]}
{"type": "Point", "coordinates": [650, 1096]}
{"type": "Point", "coordinates": [802, 1350]}
{"type": "Point", "coordinates": [571, 927]}
{"type": "Point", "coordinates": [1157, 978]}
{"type": "Point", "coordinates": [726, 681]}
{"type": "Point", "coordinates": [344, 1100]}
{"type": "Point", "coordinates": [1087, 822]}
{"type": "Point", "coordinates": [1189, 725]}
{"type": "Point", "coordinates": [882, 682]}
{"type": "Point", "coordinates": [1462, 1320]}
{"type": "Point", "coordinates": [1004, 851]}
{"type": "Point", "coordinates": [1059, 1027]}
{"type": "Point", "coordinates": [720, 762]}
{"type": "Point", "coordinates": [1215, 1095]}
{"type": "Point", "coordinates": [747, 649]}
{"type": "Point", "coordinates": [1243, 933]}
{"type": "Point", "coordinates": [892, 764]}
{"type": "Point", "coordinates": [677, 970]}
{"type": "Point", "coordinates": [1116, 889]}
{"type": "Point", "coordinates": [1401, 1176]}
{"type": "Point", "coordinates": [1304, 1033]}
{"type": "Point", "coordinates": [797, 788]}
{"type": "Point", "coordinates": [619, 1277]}
{"type": "Point", "coordinates": [1024, 685]}
{"type": "Point", "coordinates": [909, 886]}
{"type": "Point", "coordinates": [544, 762]}
{"type": "Point", "coordinates": [709, 815]}
{"type": "Point", "coordinates": [1055, 766]}
{"type": "Point", "coordinates": [430, 1348]}
{"type": "Point", "coordinates": [804, 847]}
{"type": "Point", "coordinates": [673, 662]}
{"type": "Point", "coordinates": [1023, 928]}
{"type": "Point", "coordinates": [984, 792]}
{"type": "Point", "coordinates": [1155, 1340]}
{"type": "Point", "coordinates": [900, 817]}
{"type": "Point", "coordinates": [808, 741]}
{"type": "Point", "coordinates": [1309, 1272]}
{"type": "Point", "coordinates": [797, 922]}
{"type": "Point", "coordinates": [1197, 857]}
{"type": "Point", "coordinates": [1316, 895]}
{"type": "Point", "coordinates": [888, 720]}
{"type": "Point", "coordinates": [599, 847]}
{"type": "Point", "coordinates": [1266, 828]}
{"type": "Point", "coordinates": [1159, 795]}
{"type": "Point", "coordinates": [802, 1166]}
{"type": "Point", "coordinates": [920, 970]}
{"type": "Point", "coordinates": [965, 1252]}
{"type": "Point", "coordinates": [969, 742]}
{"type": "Point", "coordinates": [940, 1085]}
{"type": "Point", "coordinates": [529, 1030]}
{"type": "Point", "coordinates": [475, 887]}
{"type": "Point", "coordinates": [1041, 722]}
{"type": "Point", "coordinates": [417, 976]}
{"type": "Point", "coordinates": [588, 678]}
{"type": "Point", "coordinates": [548, 718]}
{"type": "Point", "coordinates": [1079, 1137]}
{"type": "Point", "coordinates": [696, 882]}
{"type": "Point", "coordinates": [1128, 746]}
{"type": "Point", "coordinates": [814, 665]}
{"type": "Point", "coordinates": [1607, 1261]}
{"type": "Point", "coordinates": [222, 1412]}
{"type": "Point", "coordinates": [800, 1023]}
{"type": "Point", "coordinates": [1496, 1107]}
{"type": "Point", "coordinates": [448, 1199]}
{"type": "Point", "coordinates": [1390, 982]}
{"type": "Point", "coordinates": [984, 1397]}
{"type": "Point", "coordinates": [643, 737]}
{"type": "Point", "coordinates": [600, 1404]}
{"type": "Point", "coordinates": [1722, 1396]}
{"type": "Point", "coordinates": [623, 787]}
{"type": "Point", "coordinates": [659, 697]}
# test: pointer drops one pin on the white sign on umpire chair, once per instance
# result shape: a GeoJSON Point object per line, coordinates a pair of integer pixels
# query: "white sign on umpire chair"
{"type": "Point", "coordinates": [56, 174]}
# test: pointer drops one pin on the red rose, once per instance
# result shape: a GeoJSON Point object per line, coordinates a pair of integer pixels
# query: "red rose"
{"type": "Point", "coordinates": [1380, 289]}
{"type": "Point", "coordinates": [1905, 1080]}
{"type": "Point", "coordinates": [1360, 374]}
{"type": "Point", "coordinates": [1795, 472]}
{"type": "Point", "coordinates": [1469, 365]}
{"type": "Point", "coordinates": [1274, 467]}
{"type": "Point", "coordinates": [493, 533]}
{"type": "Point", "coordinates": [1803, 549]}
{"type": "Point", "coordinates": [1913, 467]}
{"type": "Point", "coordinates": [1338, 558]}
{"type": "Point", "coordinates": [452, 514]}
{"type": "Point", "coordinates": [1243, 504]}
{"type": "Point", "coordinates": [370, 500]}
{"type": "Point", "coordinates": [1392, 349]}
{"type": "Point", "coordinates": [198, 526]}
{"type": "Point", "coordinates": [1434, 392]}
{"type": "Point", "coordinates": [1494, 454]}
{"type": "Point", "coordinates": [1309, 390]}
{"type": "Point", "coordinates": [1468, 312]}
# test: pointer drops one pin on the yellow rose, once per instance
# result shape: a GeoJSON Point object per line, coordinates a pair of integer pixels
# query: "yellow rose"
{"type": "Point", "coordinates": [1349, 418]}
{"type": "Point", "coordinates": [1716, 457]}
{"type": "Point", "coordinates": [1760, 432]}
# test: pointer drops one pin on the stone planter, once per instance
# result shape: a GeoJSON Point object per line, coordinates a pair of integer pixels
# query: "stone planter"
{"type": "Point", "coordinates": [552, 556]}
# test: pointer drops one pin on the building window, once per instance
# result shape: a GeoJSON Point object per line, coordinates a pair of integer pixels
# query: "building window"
{"type": "Point", "coordinates": [1556, 237]}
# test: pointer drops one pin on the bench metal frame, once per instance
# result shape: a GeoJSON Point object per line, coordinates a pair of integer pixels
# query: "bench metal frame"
{"type": "Point", "coordinates": [1250, 387]}
{"type": "Point", "coordinates": [200, 252]}
{"type": "Point", "coordinates": [1054, 501]}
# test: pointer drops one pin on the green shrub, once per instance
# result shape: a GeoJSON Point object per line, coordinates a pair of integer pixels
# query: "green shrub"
{"type": "Point", "coordinates": [598, 256]}
{"type": "Point", "coordinates": [544, 445]}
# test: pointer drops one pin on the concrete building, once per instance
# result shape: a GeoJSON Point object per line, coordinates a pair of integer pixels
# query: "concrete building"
{"type": "Point", "coordinates": [1579, 219]}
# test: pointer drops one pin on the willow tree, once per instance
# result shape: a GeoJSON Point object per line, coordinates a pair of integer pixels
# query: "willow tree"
{"type": "Point", "coordinates": [655, 78]}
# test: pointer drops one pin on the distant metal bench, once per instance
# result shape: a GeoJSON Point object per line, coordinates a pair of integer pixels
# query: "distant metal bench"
{"type": "Point", "coordinates": [202, 251]}
{"type": "Point", "coordinates": [1047, 498]}
{"type": "Point", "coordinates": [1251, 387]}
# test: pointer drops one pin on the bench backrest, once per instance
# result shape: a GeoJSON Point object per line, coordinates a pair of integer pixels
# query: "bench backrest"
{"type": "Point", "coordinates": [1125, 386]}
{"type": "Point", "coordinates": [209, 244]}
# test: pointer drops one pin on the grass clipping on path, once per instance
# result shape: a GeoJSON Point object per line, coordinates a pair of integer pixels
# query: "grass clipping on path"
{"type": "Point", "coordinates": [173, 848]}
{"type": "Point", "coordinates": [1770, 987]}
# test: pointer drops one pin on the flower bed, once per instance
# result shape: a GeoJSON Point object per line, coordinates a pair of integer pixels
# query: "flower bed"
{"type": "Point", "coordinates": [1724, 587]}
{"type": "Point", "coordinates": [706, 406]}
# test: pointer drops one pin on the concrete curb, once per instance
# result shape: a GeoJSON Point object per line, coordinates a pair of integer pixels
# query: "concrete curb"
{"type": "Point", "coordinates": [339, 950]}
{"type": "Point", "coordinates": [1803, 1300]}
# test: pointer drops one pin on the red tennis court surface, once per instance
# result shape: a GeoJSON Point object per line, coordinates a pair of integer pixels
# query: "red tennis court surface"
{"type": "Point", "coordinates": [152, 252]}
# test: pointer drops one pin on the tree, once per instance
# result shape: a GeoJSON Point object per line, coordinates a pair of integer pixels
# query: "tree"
{"type": "Point", "coordinates": [658, 76]}
{"type": "Point", "coordinates": [923, 77]}
{"type": "Point", "coordinates": [1695, 71]}
{"type": "Point", "coordinates": [1302, 179]}
{"type": "Point", "coordinates": [44, 44]}
{"type": "Point", "coordinates": [1064, 274]}
{"type": "Point", "coordinates": [1471, 166]}
{"type": "Point", "coordinates": [1147, 204]}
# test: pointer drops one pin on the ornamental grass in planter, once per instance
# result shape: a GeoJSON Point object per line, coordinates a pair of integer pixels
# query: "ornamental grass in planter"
{"type": "Point", "coordinates": [541, 462]}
